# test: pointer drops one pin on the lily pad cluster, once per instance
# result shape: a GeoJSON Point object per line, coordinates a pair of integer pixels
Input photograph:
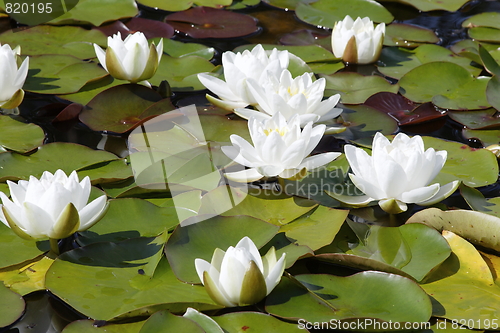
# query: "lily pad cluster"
{"type": "Point", "coordinates": [169, 202]}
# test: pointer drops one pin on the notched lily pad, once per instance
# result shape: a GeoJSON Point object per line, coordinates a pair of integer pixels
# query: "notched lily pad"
{"type": "Point", "coordinates": [355, 88]}
{"type": "Point", "coordinates": [18, 136]}
{"type": "Point", "coordinates": [408, 35]}
{"type": "Point", "coordinates": [402, 109]}
{"type": "Point", "coordinates": [121, 108]}
{"type": "Point", "coordinates": [482, 119]}
{"type": "Point", "coordinates": [207, 22]}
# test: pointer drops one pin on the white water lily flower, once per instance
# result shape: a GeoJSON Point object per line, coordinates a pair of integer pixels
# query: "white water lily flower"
{"type": "Point", "coordinates": [397, 173]}
{"type": "Point", "coordinates": [239, 276]}
{"type": "Point", "coordinates": [131, 59]}
{"type": "Point", "coordinates": [54, 206]}
{"type": "Point", "coordinates": [11, 78]}
{"type": "Point", "coordinates": [300, 96]}
{"type": "Point", "coordinates": [357, 42]}
{"type": "Point", "coordinates": [238, 67]}
{"type": "Point", "coordinates": [280, 149]}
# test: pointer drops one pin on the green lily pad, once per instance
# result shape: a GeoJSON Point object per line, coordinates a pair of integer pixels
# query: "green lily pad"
{"type": "Point", "coordinates": [492, 92]}
{"type": "Point", "coordinates": [32, 13]}
{"type": "Point", "coordinates": [109, 10]}
{"type": "Point", "coordinates": [242, 4]}
{"type": "Point", "coordinates": [92, 89]}
{"type": "Point", "coordinates": [408, 35]}
{"type": "Point", "coordinates": [19, 249]}
{"type": "Point", "coordinates": [130, 218]}
{"type": "Point", "coordinates": [480, 228]}
{"type": "Point", "coordinates": [286, 4]}
{"type": "Point", "coordinates": [176, 6]}
{"type": "Point", "coordinates": [125, 279]}
{"type": "Point", "coordinates": [470, 96]}
{"type": "Point", "coordinates": [199, 240]}
{"type": "Point", "coordinates": [27, 277]}
{"type": "Point", "coordinates": [207, 22]}
{"type": "Point", "coordinates": [425, 5]}
{"type": "Point", "coordinates": [463, 287]}
{"type": "Point", "coordinates": [424, 82]}
{"type": "Point", "coordinates": [181, 73]}
{"type": "Point", "coordinates": [18, 136]}
{"type": "Point", "coordinates": [87, 326]}
{"type": "Point", "coordinates": [322, 297]}
{"type": "Point", "coordinates": [355, 88]}
{"type": "Point", "coordinates": [278, 211]}
{"type": "Point", "coordinates": [12, 306]}
{"type": "Point", "coordinates": [179, 49]}
{"type": "Point", "coordinates": [256, 321]}
{"type": "Point", "coordinates": [406, 248]}
{"type": "Point", "coordinates": [207, 323]}
{"type": "Point", "coordinates": [121, 108]}
{"type": "Point", "coordinates": [481, 119]}
{"type": "Point", "coordinates": [487, 137]}
{"type": "Point", "coordinates": [489, 62]}
{"type": "Point", "coordinates": [363, 122]}
{"type": "Point", "coordinates": [396, 62]}
{"type": "Point", "coordinates": [109, 172]}
{"type": "Point", "coordinates": [326, 12]}
{"type": "Point", "coordinates": [165, 322]}
{"type": "Point", "coordinates": [478, 202]}
{"type": "Point", "coordinates": [485, 34]}
{"type": "Point", "coordinates": [50, 157]}
{"type": "Point", "coordinates": [487, 19]}
{"type": "Point", "coordinates": [473, 167]}
{"type": "Point", "coordinates": [316, 229]}
{"type": "Point", "coordinates": [60, 74]}
{"type": "Point", "coordinates": [46, 39]}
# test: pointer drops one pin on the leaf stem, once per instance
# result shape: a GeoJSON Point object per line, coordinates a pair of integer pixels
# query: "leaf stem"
{"type": "Point", "coordinates": [54, 246]}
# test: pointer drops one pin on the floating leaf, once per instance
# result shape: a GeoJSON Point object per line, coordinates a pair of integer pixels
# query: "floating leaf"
{"type": "Point", "coordinates": [471, 95]}
{"type": "Point", "coordinates": [316, 229]}
{"type": "Point", "coordinates": [121, 108]}
{"type": "Point", "coordinates": [424, 82]}
{"type": "Point", "coordinates": [322, 297]}
{"type": "Point", "coordinates": [487, 19]}
{"type": "Point", "coordinates": [463, 287]}
{"type": "Point", "coordinates": [402, 109]}
{"type": "Point", "coordinates": [355, 88]}
{"type": "Point", "coordinates": [12, 306]}
{"type": "Point", "coordinates": [165, 322]}
{"type": "Point", "coordinates": [481, 229]}
{"type": "Point", "coordinates": [480, 119]}
{"type": "Point", "coordinates": [408, 35]}
{"type": "Point", "coordinates": [199, 240]}
{"type": "Point", "coordinates": [256, 321]}
{"type": "Point", "coordinates": [492, 92]}
{"type": "Point", "coordinates": [474, 167]}
{"type": "Point", "coordinates": [425, 5]}
{"type": "Point", "coordinates": [19, 249]}
{"type": "Point", "coordinates": [25, 278]}
{"type": "Point", "coordinates": [396, 62]}
{"type": "Point", "coordinates": [60, 74]}
{"type": "Point", "coordinates": [50, 157]}
{"type": "Point", "coordinates": [116, 280]}
{"type": "Point", "coordinates": [485, 34]}
{"type": "Point", "coordinates": [207, 22]}
{"type": "Point", "coordinates": [109, 172]}
{"type": "Point", "coordinates": [46, 39]}
{"type": "Point", "coordinates": [179, 49]}
{"type": "Point", "coordinates": [176, 6]}
{"type": "Point", "coordinates": [130, 218]}
{"type": "Point", "coordinates": [18, 136]}
{"type": "Point", "coordinates": [87, 326]}
{"type": "Point", "coordinates": [487, 137]}
{"type": "Point", "coordinates": [325, 13]}
{"type": "Point", "coordinates": [286, 4]}
{"type": "Point", "coordinates": [109, 10]}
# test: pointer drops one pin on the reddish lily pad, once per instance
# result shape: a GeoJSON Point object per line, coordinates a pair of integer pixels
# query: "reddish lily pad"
{"type": "Point", "coordinates": [207, 22]}
{"type": "Point", "coordinates": [121, 108]}
{"type": "Point", "coordinates": [402, 109]}
{"type": "Point", "coordinates": [150, 28]}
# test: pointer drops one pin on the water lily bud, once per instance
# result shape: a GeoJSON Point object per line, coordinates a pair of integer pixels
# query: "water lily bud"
{"type": "Point", "coordinates": [54, 206]}
{"type": "Point", "coordinates": [280, 149]}
{"type": "Point", "coordinates": [239, 276]}
{"type": "Point", "coordinates": [12, 78]}
{"type": "Point", "coordinates": [357, 42]}
{"type": "Point", "coordinates": [397, 173]}
{"type": "Point", "coordinates": [131, 59]}
{"type": "Point", "coordinates": [495, 149]}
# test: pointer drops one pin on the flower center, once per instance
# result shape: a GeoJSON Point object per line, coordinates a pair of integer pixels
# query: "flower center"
{"type": "Point", "coordinates": [280, 131]}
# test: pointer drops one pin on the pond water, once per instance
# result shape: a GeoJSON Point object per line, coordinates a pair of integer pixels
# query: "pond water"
{"type": "Point", "coordinates": [46, 313]}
